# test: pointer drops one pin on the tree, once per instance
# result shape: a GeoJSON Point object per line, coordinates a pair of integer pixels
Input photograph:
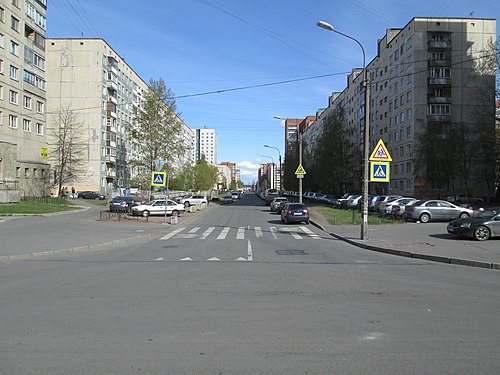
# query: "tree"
{"type": "Point", "coordinates": [67, 144]}
{"type": "Point", "coordinates": [156, 130]}
{"type": "Point", "coordinates": [184, 179]}
{"type": "Point", "coordinates": [205, 175]}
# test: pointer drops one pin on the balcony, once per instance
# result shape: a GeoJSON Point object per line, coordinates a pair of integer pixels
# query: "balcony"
{"type": "Point", "coordinates": [110, 159]}
{"type": "Point", "coordinates": [111, 110]}
{"type": "Point", "coordinates": [439, 44]}
{"type": "Point", "coordinates": [112, 85]}
{"type": "Point", "coordinates": [440, 63]}
{"type": "Point", "coordinates": [438, 118]}
{"type": "Point", "coordinates": [111, 173]}
{"type": "Point", "coordinates": [440, 81]}
{"type": "Point", "coordinates": [439, 100]}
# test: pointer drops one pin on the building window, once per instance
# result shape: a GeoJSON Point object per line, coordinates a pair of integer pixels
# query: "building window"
{"type": "Point", "coordinates": [12, 121]}
{"type": "Point", "coordinates": [409, 95]}
{"type": "Point", "coordinates": [14, 23]}
{"type": "Point", "coordinates": [1, 118]}
{"type": "Point", "coordinates": [1, 92]}
{"type": "Point", "coordinates": [1, 40]}
{"type": "Point", "coordinates": [39, 107]}
{"type": "Point", "coordinates": [34, 58]}
{"type": "Point", "coordinates": [1, 66]}
{"type": "Point", "coordinates": [39, 128]}
{"type": "Point", "coordinates": [14, 48]}
{"type": "Point", "coordinates": [2, 14]}
{"type": "Point", "coordinates": [34, 79]}
{"type": "Point", "coordinates": [26, 125]}
{"type": "Point", "coordinates": [440, 109]}
{"type": "Point", "coordinates": [13, 96]}
{"type": "Point", "coordinates": [35, 15]}
{"type": "Point", "coordinates": [27, 102]}
{"type": "Point", "coordinates": [409, 113]}
{"type": "Point", "coordinates": [440, 73]}
{"type": "Point", "coordinates": [14, 72]}
{"type": "Point", "coordinates": [26, 173]}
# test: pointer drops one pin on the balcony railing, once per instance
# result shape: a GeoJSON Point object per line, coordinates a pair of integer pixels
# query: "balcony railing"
{"type": "Point", "coordinates": [439, 44]}
{"type": "Point", "coordinates": [440, 81]}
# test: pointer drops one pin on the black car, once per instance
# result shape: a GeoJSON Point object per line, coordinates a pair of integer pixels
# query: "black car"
{"type": "Point", "coordinates": [481, 226]}
{"type": "Point", "coordinates": [91, 195]}
{"type": "Point", "coordinates": [295, 212]}
{"type": "Point", "coordinates": [122, 204]}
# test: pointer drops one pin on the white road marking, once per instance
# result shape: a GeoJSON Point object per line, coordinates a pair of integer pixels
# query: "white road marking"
{"type": "Point", "coordinates": [223, 233]}
{"type": "Point", "coordinates": [186, 258]}
{"type": "Point", "coordinates": [173, 233]}
{"type": "Point", "coordinates": [296, 235]}
{"type": "Point", "coordinates": [258, 232]}
{"type": "Point", "coordinates": [240, 259]}
{"type": "Point", "coordinates": [207, 233]}
{"type": "Point", "coordinates": [274, 232]}
{"type": "Point", "coordinates": [310, 233]}
{"type": "Point", "coordinates": [213, 259]}
{"type": "Point", "coordinates": [241, 233]}
{"type": "Point", "coordinates": [194, 230]}
{"type": "Point", "coordinates": [250, 252]}
{"type": "Point", "coordinates": [159, 258]}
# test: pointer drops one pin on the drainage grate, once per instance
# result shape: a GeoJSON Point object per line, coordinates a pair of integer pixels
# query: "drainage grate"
{"type": "Point", "coordinates": [291, 252]}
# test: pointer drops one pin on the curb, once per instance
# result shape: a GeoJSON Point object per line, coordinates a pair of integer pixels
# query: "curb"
{"type": "Point", "coordinates": [408, 254]}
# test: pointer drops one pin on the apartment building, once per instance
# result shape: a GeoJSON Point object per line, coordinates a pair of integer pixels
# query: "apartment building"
{"type": "Point", "coordinates": [206, 144]}
{"type": "Point", "coordinates": [24, 169]}
{"type": "Point", "coordinates": [425, 80]}
{"type": "Point", "coordinates": [88, 78]}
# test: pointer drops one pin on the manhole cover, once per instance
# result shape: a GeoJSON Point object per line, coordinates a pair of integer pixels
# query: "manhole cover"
{"type": "Point", "coordinates": [291, 252]}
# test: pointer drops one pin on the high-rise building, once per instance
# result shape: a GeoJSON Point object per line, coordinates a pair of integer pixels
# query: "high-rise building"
{"type": "Point", "coordinates": [206, 144]}
{"type": "Point", "coordinates": [24, 169]}
{"type": "Point", "coordinates": [428, 83]}
{"type": "Point", "coordinates": [87, 77]}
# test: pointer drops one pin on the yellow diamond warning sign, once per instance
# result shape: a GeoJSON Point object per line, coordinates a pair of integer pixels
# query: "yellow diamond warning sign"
{"type": "Point", "coordinates": [300, 170]}
{"type": "Point", "coordinates": [380, 153]}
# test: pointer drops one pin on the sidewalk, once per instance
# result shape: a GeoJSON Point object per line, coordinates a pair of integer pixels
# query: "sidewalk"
{"type": "Point", "coordinates": [428, 241]}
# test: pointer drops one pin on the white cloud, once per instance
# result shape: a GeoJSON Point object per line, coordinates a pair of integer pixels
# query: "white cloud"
{"type": "Point", "coordinates": [248, 171]}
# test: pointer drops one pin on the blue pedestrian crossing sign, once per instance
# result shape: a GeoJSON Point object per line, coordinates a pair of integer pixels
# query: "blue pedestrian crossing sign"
{"type": "Point", "coordinates": [379, 171]}
{"type": "Point", "coordinates": [158, 178]}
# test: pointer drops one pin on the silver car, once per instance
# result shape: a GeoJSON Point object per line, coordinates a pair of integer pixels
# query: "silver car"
{"type": "Point", "coordinates": [435, 210]}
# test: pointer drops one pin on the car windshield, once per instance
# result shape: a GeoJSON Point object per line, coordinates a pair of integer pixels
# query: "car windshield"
{"type": "Point", "coordinates": [487, 214]}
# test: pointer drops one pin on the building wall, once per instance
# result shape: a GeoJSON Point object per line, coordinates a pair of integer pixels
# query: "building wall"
{"type": "Point", "coordinates": [23, 163]}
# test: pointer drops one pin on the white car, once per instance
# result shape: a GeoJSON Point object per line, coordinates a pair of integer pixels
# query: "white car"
{"type": "Point", "coordinates": [158, 207]}
{"type": "Point", "coordinates": [193, 200]}
{"type": "Point", "coordinates": [387, 207]}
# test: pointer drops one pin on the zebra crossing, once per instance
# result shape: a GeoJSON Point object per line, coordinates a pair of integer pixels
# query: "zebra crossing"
{"type": "Point", "coordinates": [240, 233]}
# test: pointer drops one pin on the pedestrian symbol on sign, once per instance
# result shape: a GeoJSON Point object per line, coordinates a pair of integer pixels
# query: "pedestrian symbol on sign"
{"type": "Point", "coordinates": [379, 171]}
{"type": "Point", "coordinates": [158, 178]}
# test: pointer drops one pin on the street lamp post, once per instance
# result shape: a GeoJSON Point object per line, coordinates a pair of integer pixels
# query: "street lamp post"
{"type": "Point", "coordinates": [279, 165]}
{"type": "Point", "coordinates": [366, 143]}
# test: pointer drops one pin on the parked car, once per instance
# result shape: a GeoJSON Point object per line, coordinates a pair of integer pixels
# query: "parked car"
{"type": "Point", "coordinates": [91, 195]}
{"type": "Point", "coordinates": [384, 199]}
{"type": "Point", "coordinates": [342, 201]}
{"type": "Point", "coordinates": [193, 200]}
{"type": "Point", "coordinates": [399, 208]}
{"type": "Point", "coordinates": [386, 208]}
{"type": "Point", "coordinates": [353, 202]}
{"type": "Point", "coordinates": [280, 206]}
{"type": "Point", "coordinates": [269, 195]}
{"type": "Point", "coordinates": [329, 199]}
{"type": "Point", "coordinates": [295, 212]}
{"type": "Point", "coordinates": [465, 199]}
{"type": "Point", "coordinates": [427, 210]}
{"type": "Point", "coordinates": [158, 207]}
{"type": "Point", "coordinates": [482, 226]}
{"type": "Point", "coordinates": [122, 204]}
{"type": "Point", "coordinates": [373, 203]}
{"type": "Point", "coordinates": [226, 199]}
{"type": "Point", "coordinates": [276, 201]}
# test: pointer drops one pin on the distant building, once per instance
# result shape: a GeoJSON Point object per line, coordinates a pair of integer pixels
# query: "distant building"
{"type": "Point", "coordinates": [24, 168]}
{"type": "Point", "coordinates": [206, 144]}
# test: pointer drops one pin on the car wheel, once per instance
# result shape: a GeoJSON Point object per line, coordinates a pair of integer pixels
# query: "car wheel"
{"type": "Point", "coordinates": [307, 222]}
{"type": "Point", "coordinates": [463, 215]}
{"type": "Point", "coordinates": [145, 213]}
{"type": "Point", "coordinates": [187, 204]}
{"type": "Point", "coordinates": [175, 213]}
{"type": "Point", "coordinates": [481, 233]}
{"type": "Point", "coordinates": [425, 218]}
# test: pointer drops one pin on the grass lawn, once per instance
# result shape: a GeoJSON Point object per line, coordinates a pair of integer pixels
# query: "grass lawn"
{"type": "Point", "coordinates": [343, 217]}
{"type": "Point", "coordinates": [36, 206]}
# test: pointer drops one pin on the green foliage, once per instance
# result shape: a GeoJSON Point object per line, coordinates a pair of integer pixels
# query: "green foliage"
{"type": "Point", "coordinates": [183, 180]}
{"type": "Point", "coordinates": [205, 175]}
{"type": "Point", "coordinates": [36, 207]}
{"type": "Point", "coordinates": [346, 217]}
{"type": "Point", "coordinates": [156, 129]}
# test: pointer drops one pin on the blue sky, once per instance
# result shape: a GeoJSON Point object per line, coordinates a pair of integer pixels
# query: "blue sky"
{"type": "Point", "coordinates": [202, 46]}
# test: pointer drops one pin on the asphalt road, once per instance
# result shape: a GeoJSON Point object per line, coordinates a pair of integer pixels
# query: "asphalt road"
{"type": "Point", "coordinates": [234, 291]}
